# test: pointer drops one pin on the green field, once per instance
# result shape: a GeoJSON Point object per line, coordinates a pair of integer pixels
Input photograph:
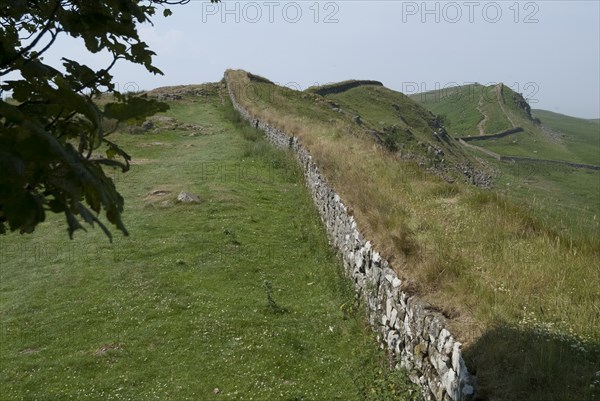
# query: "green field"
{"type": "Point", "coordinates": [238, 297]}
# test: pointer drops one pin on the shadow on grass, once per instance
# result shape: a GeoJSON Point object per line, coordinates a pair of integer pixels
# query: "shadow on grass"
{"type": "Point", "coordinates": [527, 365]}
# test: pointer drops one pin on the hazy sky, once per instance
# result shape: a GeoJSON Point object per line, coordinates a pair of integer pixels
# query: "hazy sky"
{"type": "Point", "coordinates": [548, 50]}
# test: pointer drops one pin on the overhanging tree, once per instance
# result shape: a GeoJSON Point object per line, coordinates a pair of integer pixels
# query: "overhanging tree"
{"type": "Point", "coordinates": [54, 142]}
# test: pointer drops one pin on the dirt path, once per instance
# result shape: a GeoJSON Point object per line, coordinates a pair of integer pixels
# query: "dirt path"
{"type": "Point", "coordinates": [481, 124]}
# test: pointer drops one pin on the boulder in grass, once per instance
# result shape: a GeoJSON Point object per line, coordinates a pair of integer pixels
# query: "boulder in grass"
{"type": "Point", "coordinates": [147, 125]}
{"type": "Point", "coordinates": [187, 197]}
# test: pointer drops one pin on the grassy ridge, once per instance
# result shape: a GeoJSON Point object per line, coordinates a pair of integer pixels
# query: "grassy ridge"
{"type": "Point", "coordinates": [472, 110]}
{"type": "Point", "coordinates": [239, 293]}
{"type": "Point", "coordinates": [501, 273]}
{"type": "Point", "coordinates": [409, 130]}
{"type": "Point", "coordinates": [368, 100]}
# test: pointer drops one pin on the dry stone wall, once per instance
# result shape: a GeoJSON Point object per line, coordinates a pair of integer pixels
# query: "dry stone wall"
{"type": "Point", "coordinates": [344, 86]}
{"type": "Point", "coordinates": [415, 335]}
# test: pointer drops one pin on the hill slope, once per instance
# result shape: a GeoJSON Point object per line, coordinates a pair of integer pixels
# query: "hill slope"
{"type": "Point", "coordinates": [405, 128]}
{"type": "Point", "coordinates": [580, 136]}
{"type": "Point", "coordinates": [474, 110]}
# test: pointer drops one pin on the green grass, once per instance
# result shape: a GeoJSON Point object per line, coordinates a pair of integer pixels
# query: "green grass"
{"type": "Point", "coordinates": [240, 292]}
{"type": "Point", "coordinates": [384, 107]}
{"type": "Point", "coordinates": [463, 109]}
{"type": "Point", "coordinates": [580, 136]}
{"type": "Point", "coordinates": [503, 271]}
{"type": "Point", "coordinates": [564, 198]}
{"type": "Point", "coordinates": [458, 106]}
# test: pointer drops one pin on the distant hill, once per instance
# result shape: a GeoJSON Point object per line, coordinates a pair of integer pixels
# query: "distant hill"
{"type": "Point", "coordinates": [477, 110]}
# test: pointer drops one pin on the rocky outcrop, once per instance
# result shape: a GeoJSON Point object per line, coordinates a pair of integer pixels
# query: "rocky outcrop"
{"type": "Point", "coordinates": [522, 104]}
{"type": "Point", "coordinates": [187, 197]}
{"type": "Point", "coordinates": [414, 334]}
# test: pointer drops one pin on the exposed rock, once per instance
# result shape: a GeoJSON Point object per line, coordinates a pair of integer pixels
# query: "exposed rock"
{"type": "Point", "coordinates": [147, 125]}
{"type": "Point", "coordinates": [187, 197]}
{"type": "Point", "coordinates": [522, 104]}
{"type": "Point", "coordinates": [169, 96]}
{"type": "Point", "coordinates": [171, 93]}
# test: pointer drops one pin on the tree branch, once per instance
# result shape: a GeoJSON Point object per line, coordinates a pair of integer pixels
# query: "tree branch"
{"type": "Point", "coordinates": [36, 40]}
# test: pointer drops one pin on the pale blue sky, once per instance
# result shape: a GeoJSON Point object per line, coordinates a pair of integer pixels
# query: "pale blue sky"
{"type": "Point", "coordinates": [549, 50]}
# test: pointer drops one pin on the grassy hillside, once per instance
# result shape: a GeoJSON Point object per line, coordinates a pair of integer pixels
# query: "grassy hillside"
{"type": "Point", "coordinates": [467, 110]}
{"type": "Point", "coordinates": [507, 279]}
{"type": "Point", "coordinates": [563, 197]}
{"type": "Point", "coordinates": [473, 110]}
{"type": "Point", "coordinates": [409, 130]}
{"type": "Point", "coordinates": [237, 297]}
{"type": "Point", "coordinates": [580, 136]}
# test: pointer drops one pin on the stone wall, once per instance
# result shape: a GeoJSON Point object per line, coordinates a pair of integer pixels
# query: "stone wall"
{"type": "Point", "coordinates": [414, 335]}
{"type": "Point", "coordinates": [343, 86]}
{"type": "Point", "coordinates": [547, 161]}
{"type": "Point", "coordinates": [501, 134]}
{"type": "Point", "coordinates": [528, 159]}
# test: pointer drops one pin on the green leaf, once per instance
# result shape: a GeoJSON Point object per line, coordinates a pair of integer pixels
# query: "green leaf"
{"type": "Point", "coordinates": [51, 126]}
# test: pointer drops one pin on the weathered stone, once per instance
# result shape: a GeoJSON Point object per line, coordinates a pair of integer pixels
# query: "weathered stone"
{"type": "Point", "coordinates": [147, 125]}
{"type": "Point", "coordinates": [444, 334]}
{"type": "Point", "coordinates": [358, 260]}
{"type": "Point", "coordinates": [393, 317]}
{"type": "Point", "coordinates": [448, 347]}
{"type": "Point", "coordinates": [450, 383]}
{"type": "Point", "coordinates": [434, 329]}
{"type": "Point", "coordinates": [392, 338]}
{"type": "Point", "coordinates": [187, 197]}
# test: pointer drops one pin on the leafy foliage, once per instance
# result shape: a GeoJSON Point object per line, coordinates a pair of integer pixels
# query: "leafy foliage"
{"type": "Point", "coordinates": [53, 136]}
